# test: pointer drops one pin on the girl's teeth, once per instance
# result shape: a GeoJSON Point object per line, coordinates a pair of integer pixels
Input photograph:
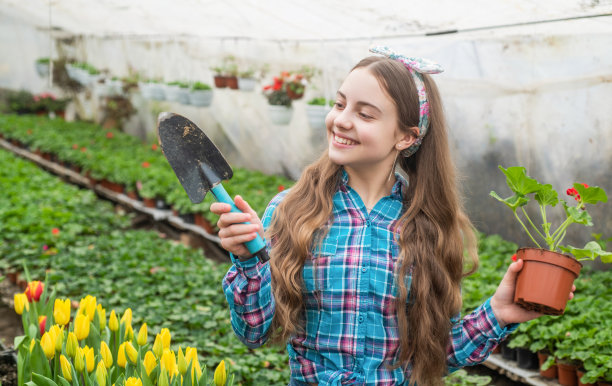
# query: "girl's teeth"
{"type": "Point", "coordinates": [344, 141]}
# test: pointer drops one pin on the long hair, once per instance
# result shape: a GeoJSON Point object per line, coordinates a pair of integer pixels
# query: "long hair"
{"type": "Point", "coordinates": [433, 233]}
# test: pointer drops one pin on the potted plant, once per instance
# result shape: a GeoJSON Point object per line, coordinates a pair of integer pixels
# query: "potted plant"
{"type": "Point", "coordinates": [247, 80]}
{"type": "Point", "coordinates": [279, 102]}
{"type": "Point", "coordinates": [232, 75]}
{"type": "Point", "coordinates": [201, 94]}
{"type": "Point", "coordinates": [42, 67]}
{"type": "Point", "coordinates": [316, 111]}
{"type": "Point", "coordinates": [547, 276]}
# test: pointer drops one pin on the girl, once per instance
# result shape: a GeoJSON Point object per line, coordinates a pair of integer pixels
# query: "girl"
{"type": "Point", "coordinates": [367, 249]}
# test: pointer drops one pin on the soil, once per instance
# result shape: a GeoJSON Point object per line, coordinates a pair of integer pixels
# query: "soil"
{"type": "Point", "coordinates": [8, 370]}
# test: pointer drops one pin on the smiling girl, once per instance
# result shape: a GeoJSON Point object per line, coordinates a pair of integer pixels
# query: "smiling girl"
{"type": "Point", "coordinates": [367, 249]}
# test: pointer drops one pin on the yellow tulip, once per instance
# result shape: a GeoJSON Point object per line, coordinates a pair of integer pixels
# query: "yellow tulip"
{"type": "Point", "coordinates": [61, 311]}
{"type": "Point", "coordinates": [127, 317]}
{"type": "Point", "coordinates": [101, 373]}
{"type": "Point", "coordinates": [66, 368]}
{"type": "Point", "coordinates": [101, 316]}
{"type": "Point", "coordinates": [113, 323]}
{"type": "Point", "coordinates": [32, 343]}
{"type": "Point", "coordinates": [163, 378]}
{"type": "Point", "coordinates": [168, 362]}
{"type": "Point", "coordinates": [87, 306]}
{"type": "Point", "coordinates": [21, 303]}
{"type": "Point", "coordinates": [48, 345]}
{"type": "Point", "coordinates": [131, 381]}
{"type": "Point", "coordinates": [195, 368]}
{"type": "Point", "coordinates": [71, 344]}
{"type": "Point", "coordinates": [58, 336]}
{"type": "Point", "coordinates": [121, 359]}
{"type": "Point", "coordinates": [131, 352]}
{"type": "Point", "coordinates": [142, 335]}
{"type": "Point", "coordinates": [79, 360]}
{"type": "Point", "coordinates": [81, 326]}
{"type": "Point", "coordinates": [158, 347]}
{"type": "Point", "coordinates": [220, 375]}
{"type": "Point", "coordinates": [165, 338]}
{"type": "Point", "coordinates": [182, 363]}
{"type": "Point", "coordinates": [149, 362]}
{"type": "Point", "coordinates": [129, 333]}
{"type": "Point", "coordinates": [89, 358]}
{"type": "Point", "coordinates": [106, 354]}
{"type": "Point", "coordinates": [191, 356]}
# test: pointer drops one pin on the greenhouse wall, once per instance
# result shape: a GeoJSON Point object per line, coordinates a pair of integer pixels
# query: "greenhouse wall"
{"type": "Point", "coordinates": [536, 96]}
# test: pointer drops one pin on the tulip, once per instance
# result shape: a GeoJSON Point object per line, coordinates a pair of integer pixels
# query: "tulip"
{"type": "Point", "coordinates": [131, 352]}
{"type": "Point", "coordinates": [21, 303]}
{"type": "Point", "coordinates": [34, 290]}
{"type": "Point", "coordinates": [168, 362]}
{"type": "Point", "coordinates": [127, 316]}
{"type": "Point", "coordinates": [89, 358]}
{"type": "Point", "coordinates": [106, 354]}
{"type": "Point", "coordinates": [165, 338]}
{"type": "Point", "coordinates": [113, 323]}
{"type": "Point", "coordinates": [163, 378]}
{"type": "Point", "coordinates": [101, 316]}
{"type": "Point", "coordinates": [129, 333]}
{"type": "Point", "coordinates": [182, 363]}
{"type": "Point", "coordinates": [61, 311]}
{"type": "Point", "coordinates": [87, 306]}
{"type": "Point", "coordinates": [101, 373]}
{"type": "Point", "coordinates": [121, 359]}
{"type": "Point", "coordinates": [79, 360]}
{"type": "Point", "coordinates": [158, 347]}
{"type": "Point", "coordinates": [195, 368]}
{"type": "Point", "coordinates": [42, 323]}
{"type": "Point", "coordinates": [58, 336]}
{"type": "Point", "coordinates": [81, 326]}
{"type": "Point", "coordinates": [32, 343]}
{"type": "Point", "coordinates": [220, 375]}
{"type": "Point", "coordinates": [149, 362]}
{"type": "Point", "coordinates": [71, 344]}
{"type": "Point", "coordinates": [142, 335]}
{"type": "Point", "coordinates": [66, 368]}
{"type": "Point", "coordinates": [48, 345]}
{"type": "Point", "coordinates": [131, 381]}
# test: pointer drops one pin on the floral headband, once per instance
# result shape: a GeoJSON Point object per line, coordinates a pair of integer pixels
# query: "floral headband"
{"type": "Point", "coordinates": [416, 66]}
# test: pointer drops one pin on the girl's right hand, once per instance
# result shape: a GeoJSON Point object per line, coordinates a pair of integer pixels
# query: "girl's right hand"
{"type": "Point", "coordinates": [232, 232]}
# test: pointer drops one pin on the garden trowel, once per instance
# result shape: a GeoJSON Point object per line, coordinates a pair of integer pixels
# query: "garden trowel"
{"type": "Point", "coordinates": [199, 166]}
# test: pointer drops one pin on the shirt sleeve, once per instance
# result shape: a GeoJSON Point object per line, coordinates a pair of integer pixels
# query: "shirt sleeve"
{"type": "Point", "coordinates": [248, 290]}
{"type": "Point", "coordinates": [475, 336]}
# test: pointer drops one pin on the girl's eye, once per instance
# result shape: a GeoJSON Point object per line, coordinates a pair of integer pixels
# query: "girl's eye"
{"type": "Point", "coordinates": [338, 105]}
{"type": "Point", "coordinates": [365, 116]}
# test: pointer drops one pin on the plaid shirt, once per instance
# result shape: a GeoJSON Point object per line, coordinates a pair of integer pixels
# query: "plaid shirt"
{"type": "Point", "coordinates": [351, 326]}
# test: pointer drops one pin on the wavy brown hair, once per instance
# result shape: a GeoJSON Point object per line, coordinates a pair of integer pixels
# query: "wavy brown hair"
{"type": "Point", "coordinates": [433, 234]}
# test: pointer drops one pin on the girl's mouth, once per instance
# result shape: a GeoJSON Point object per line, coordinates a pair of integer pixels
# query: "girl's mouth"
{"type": "Point", "coordinates": [344, 141]}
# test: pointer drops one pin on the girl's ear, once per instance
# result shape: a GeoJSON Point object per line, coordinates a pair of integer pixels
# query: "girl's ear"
{"type": "Point", "coordinates": [407, 139]}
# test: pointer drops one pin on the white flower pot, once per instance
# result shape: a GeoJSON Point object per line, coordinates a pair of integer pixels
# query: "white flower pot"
{"type": "Point", "coordinates": [280, 115]}
{"type": "Point", "coordinates": [157, 91]}
{"type": "Point", "coordinates": [172, 93]}
{"type": "Point", "coordinates": [42, 69]}
{"type": "Point", "coordinates": [246, 84]}
{"type": "Point", "coordinates": [183, 95]}
{"type": "Point", "coordinates": [316, 116]}
{"type": "Point", "coordinates": [116, 86]}
{"type": "Point", "coordinates": [200, 98]}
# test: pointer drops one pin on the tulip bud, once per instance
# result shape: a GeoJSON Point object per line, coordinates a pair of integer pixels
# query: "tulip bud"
{"type": "Point", "coordinates": [32, 343]}
{"type": "Point", "coordinates": [106, 354]}
{"type": "Point", "coordinates": [220, 375]}
{"type": "Point", "coordinates": [101, 316]}
{"type": "Point", "coordinates": [158, 347]}
{"type": "Point", "coordinates": [79, 360]}
{"type": "Point", "coordinates": [87, 306]}
{"type": "Point", "coordinates": [129, 333]}
{"type": "Point", "coordinates": [165, 338]}
{"type": "Point", "coordinates": [121, 359]}
{"type": "Point", "coordinates": [131, 381]}
{"type": "Point", "coordinates": [42, 323]}
{"type": "Point", "coordinates": [101, 373]}
{"type": "Point", "coordinates": [71, 344]}
{"type": "Point", "coordinates": [48, 345]}
{"type": "Point", "coordinates": [81, 326]}
{"type": "Point", "coordinates": [131, 352]}
{"type": "Point", "coordinates": [142, 335]}
{"type": "Point", "coordinates": [89, 358]}
{"type": "Point", "coordinates": [113, 323]}
{"type": "Point", "coordinates": [182, 363]}
{"type": "Point", "coordinates": [168, 362]}
{"type": "Point", "coordinates": [127, 317]}
{"type": "Point", "coordinates": [163, 378]}
{"type": "Point", "coordinates": [58, 336]}
{"type": "Point", "coordinates": [34, 290]}
{"type": "Point", "coordinates": [61, 311]}
{"type": "Point", "coordinates": [196, 369]}
{"type": "Point", "coordinates": [66, 368]}
{"type": "Point", "coordinates": [21, 303]}
{"type": "Point", "coordinates": [149, 362]}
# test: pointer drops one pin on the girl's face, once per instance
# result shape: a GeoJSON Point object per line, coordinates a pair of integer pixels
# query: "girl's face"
{"type": "Point", "coordinates": [362, 129]}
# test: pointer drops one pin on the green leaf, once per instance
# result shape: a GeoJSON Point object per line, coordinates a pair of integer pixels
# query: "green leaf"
{"type": "Point", "coordinates": [592, 194]}
{"type": "Point", "coordinates": [41, 380]}
{"type": "Point", "coordinates": [577, 215]}
{"type": "Point", "coordinates": [547, 196]}
{"type": "Point", "coordinates": [512, 202]}
{"type": "Point", "coordinates": [519, 182]}
{"type": "Point", "coordinates": [591, 250]}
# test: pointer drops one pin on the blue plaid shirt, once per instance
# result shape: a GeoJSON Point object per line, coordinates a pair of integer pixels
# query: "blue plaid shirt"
{"type": "Point", "coordinates": [351, 326]}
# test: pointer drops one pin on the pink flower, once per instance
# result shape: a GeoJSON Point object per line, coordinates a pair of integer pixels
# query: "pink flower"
{"type": "Point", "coordinates": [45, 247]}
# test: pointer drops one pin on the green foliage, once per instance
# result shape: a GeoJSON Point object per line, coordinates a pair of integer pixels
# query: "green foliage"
{"type": "Point", "coordinates": [200, 86]}
{"type": "Point", "coordinates": [320, 101]}
{"type": "Point", "coordinates": [279, 98]}
{"type": "Point", "coordinates": [462, 378]}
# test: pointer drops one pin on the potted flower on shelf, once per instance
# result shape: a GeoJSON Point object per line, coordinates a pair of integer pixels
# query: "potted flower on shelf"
{"type": "Point", "coordinates": [547, 276]}
{"type": "Point", "coordinates": [42, 67]}
{"type": "Point", "coordinates": [279, 102]}
{"type": "Point", "coordinates": [316, 111]}
{"type": "Point", "coordinates": [247, 80]}
{"type": "Point", "coordinates": [201, 94]}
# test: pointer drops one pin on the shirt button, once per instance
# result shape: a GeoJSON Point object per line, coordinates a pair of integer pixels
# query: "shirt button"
{"type": "Point", "coordinates": [360, 318]}
{"type": "Point", "coordinates": [368, 223]}
{"type": "Point", "coordinates": [364, 269]}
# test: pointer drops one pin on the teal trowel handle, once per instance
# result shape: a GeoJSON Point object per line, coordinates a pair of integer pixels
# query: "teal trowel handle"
{"type": "Point", "coordinates": [256, 246]}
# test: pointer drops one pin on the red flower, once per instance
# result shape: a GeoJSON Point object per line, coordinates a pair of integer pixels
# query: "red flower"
{"type": "Point", "coordinates": [281, 188]}
{"type": "Point", "coordinates": [83, 149]}
{"type": "Point", "coordinates": [154, 146]}
{"type": "Point", "coordinates": [514, 258]}
{"type": "Point", "coordinates": [571, 192]}
{"type": "Point", "coordinates": [109, 134]}
{"type": "Point", "coordinates": [45, 247]}
{"type": "Point", "coordinates": [75, 146]}
{"type": "Point", "coordinates": [145, 164]}
{"type": "Point", "coordinates": [55, 231]}
{"type": "Point", "coordinates": [34, 290]}
{"type": "Point", "coordinates": [585, 185]}
{"type": "Point", "coordinates": [42, 321]}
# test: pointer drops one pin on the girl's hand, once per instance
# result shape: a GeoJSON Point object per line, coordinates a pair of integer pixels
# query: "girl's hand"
{"type": "Point", "coordinates": [502, 303]}
{"type": "Point", "coordinates": [232, 232]}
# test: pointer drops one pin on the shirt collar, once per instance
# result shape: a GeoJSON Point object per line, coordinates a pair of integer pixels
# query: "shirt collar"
{"type": "Point", "coordinates": [396, 191]}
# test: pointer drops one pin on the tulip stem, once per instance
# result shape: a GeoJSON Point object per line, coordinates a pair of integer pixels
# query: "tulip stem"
{"type": "Point", "coordinates": [55, 367]}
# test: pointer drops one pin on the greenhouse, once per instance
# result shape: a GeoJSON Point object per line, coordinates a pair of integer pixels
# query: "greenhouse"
{"type": "Point", "coordinates": [359, 146]}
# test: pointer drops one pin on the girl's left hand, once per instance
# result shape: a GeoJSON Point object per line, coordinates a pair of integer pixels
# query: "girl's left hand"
{"type": "Point", "coordinates": [502, 303]}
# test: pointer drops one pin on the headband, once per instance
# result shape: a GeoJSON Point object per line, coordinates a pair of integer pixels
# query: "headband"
{"type": "Point", "coordinates": [416, 66]}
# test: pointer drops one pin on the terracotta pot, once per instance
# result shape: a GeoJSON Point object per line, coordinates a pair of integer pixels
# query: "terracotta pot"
{"type": "Point", "coordinates": [579, 374]}
{"type": "Point", "coordinates": [13, 277]}
{"type": "Point", "coordinates": [544, 283]}
{"type": "Point", "coordinates": [110, 185]}
{"type": "Point", "coordinates": [232, 82]}
{"type": "Point", "coordinates": [149, 202]}
{"type": "Point", "coordinates": [220, 81]}
{"type": "Point", "coordinates": [551, 372]}
{"type": "Point", "coordinates": [566, 374]}
{"type": "Point", "coordinates": [603, 383]}
{"type": "Point", "coordinates": [200, 221]}
{"type": "Point", "coordinates": [496, 350]}
{"type": "Point", "coordinates": [132, 194]}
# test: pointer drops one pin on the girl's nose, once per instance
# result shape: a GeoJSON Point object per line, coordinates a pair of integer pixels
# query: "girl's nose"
{"type": "Point", "coordinates": [343, 120]}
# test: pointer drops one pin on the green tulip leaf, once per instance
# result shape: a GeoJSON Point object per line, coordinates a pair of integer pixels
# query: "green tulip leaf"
{"type": "Point", "coordinates": [519, 182]}
{"type": "Point", "coordinates": [63, 381]}
{"type": "Point", "coordinates": [41, 380]}
{"type": "Point", "coordinates": [38, 361]}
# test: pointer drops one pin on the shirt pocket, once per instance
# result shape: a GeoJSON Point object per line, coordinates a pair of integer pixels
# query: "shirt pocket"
{"type": "Point", "coordinates": [316, 271]}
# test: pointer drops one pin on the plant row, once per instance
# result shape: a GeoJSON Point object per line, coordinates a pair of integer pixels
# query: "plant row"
{"type": "Point", "coordinates": [110, 155]}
